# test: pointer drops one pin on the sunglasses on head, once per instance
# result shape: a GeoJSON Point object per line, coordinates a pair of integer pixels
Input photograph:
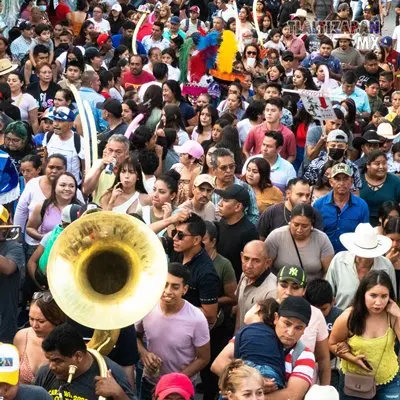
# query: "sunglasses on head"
{"type": "Point", "coordinates": [179, 234]}
{"type": "Point", "coordinates": [47, 297]}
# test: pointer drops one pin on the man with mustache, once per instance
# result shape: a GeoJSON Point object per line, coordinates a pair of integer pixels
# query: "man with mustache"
{"type": "Point", "coordinates": [201, 204]}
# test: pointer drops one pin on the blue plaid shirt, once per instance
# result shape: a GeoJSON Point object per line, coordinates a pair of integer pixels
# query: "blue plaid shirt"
{"type": "Point", "coordinates": [92, 97]}
{"type": "Point", "coordinates": [251, 211]}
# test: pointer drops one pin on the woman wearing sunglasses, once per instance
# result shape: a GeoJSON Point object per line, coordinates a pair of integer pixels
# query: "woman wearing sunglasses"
{"type": "Point", "coordinates": [252, 60]}
{"type": "Point", "coordinates": [44, 316]}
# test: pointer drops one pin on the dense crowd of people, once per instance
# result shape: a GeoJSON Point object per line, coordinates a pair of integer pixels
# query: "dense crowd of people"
{"type": "Point", "coordinates": [280, 225]}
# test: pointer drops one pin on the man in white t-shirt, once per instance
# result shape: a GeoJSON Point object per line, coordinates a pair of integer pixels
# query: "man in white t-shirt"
{"type": "Point", "coordinates": [64, 141]}
{"type": "Point", "coordinates": [186, 347]}
{"type": "Point", "coordinates": [225, 11]}
{"type": "Point", "coordinates": [396, 38]}
{"type": "Point", "coordinates": [192, 24]}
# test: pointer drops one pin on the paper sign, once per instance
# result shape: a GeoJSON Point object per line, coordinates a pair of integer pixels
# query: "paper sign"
{"type": "Point", "coordinates": [317, 105]}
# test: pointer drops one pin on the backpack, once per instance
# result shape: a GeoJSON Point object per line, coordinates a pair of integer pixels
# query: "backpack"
{"type": "Point", "coordinates": [298, 349]}
{"type": "Point", "coordinates": [77, 140]}
{"type": "Point", "coordinates": [187, 24]}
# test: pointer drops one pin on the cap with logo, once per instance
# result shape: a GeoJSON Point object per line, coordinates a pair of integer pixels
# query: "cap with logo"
{"type": "Point", "coordinates": [63, 114]}
{"type": "Point", "coordinates": [287, 55]}
{"type": "Point", "coordinates": [195, 9]}
{"type": "Point", "coordinates": [337, 135]}
{"type": "Point", "coordinates": [102, 38]}
{"type": "Point", "coordinates": [386, 41]}
{"type": "Point", "coordinates": [294, 274]}
{"type": "Point", "coordinates": [235, 192]}
{"type": "Point", "coordinates": [4, 214]}
{"type": "Point", "coordinates": [204, 178]}
{"type": "Point", "coordinates": [116, 7]}
{"type": "Point", "coordinates": [9, 364]}
{"type": "Point", "coordinates": [70, 213]}
{"type": "Point", "coordinates": [341, 168]}
{"type": "Point", "coordinates": [295, 307]}
{"type": "Point", "coordinates": [174, 383]}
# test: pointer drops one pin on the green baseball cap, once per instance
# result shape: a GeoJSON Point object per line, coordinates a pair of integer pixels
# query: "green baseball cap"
{"type": "Point", "coordinates": [341, 168]}
{"type": "Point", "coordinates": [292, 273]}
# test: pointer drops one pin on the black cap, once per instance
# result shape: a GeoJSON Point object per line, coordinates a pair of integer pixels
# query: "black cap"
{"type": "Point", "coordinates": [369, 137]}
{"type": "Point", "coordinates": [92, 52]}
{"type": "Point", "coordinates": [235, 192]}
{"type": "Point", "coordinates": [295, 307]}
{"type": "Point", "coordinates": [113, 106]}
{"type": "Point", "coordinates": [287, 56]}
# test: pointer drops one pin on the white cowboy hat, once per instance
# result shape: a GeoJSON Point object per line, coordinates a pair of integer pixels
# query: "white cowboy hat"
{"type": "Point", "coordinates": [317, 392]}
{"type": "Point", "coordinates": [342, 36]}
{"type": "Point", "coordinates": [385, 129]}
{"type": "Point", "coordinates": [6, 66]}
{"type": "Point", "coordinates": [299, 13]}
{"type": "Point", "coordinates": [365, 242]}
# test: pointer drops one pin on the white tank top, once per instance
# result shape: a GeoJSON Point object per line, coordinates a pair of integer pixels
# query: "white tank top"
{"type": "Point", "coordinates": [124, 207]}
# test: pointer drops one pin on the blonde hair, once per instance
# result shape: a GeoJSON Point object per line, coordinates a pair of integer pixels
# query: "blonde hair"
{"type": "Point", "coordinates": [168, 8]}
{"type": "Point", "coordinates": [235, 374]}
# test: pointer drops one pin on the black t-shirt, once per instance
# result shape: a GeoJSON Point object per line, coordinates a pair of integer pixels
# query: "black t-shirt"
{"type": "Point", "coordinates": [83, 386]}
{"type": "Point", "coordinates": [9, 290]}
{"type": "Point", "coordinates": [278, 215]}
{"type": "Point", "coordinates": [31, 392]}
{"type": "Point", "coordinates": [125, 352]}
{"type": "Point", "coordinates": [233, 238]}
{"type": "Point", "coordinates": [363, 75]}
{"type": "Point", "coordinates": [44, 98]}
{"type": "Point", "coordinates": [103, 137]}
{"type": "Point", "coordinates": [204, 281]}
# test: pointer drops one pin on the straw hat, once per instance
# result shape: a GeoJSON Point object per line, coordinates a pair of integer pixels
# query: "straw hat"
{"type": "Point", "coordinates": [6, 66]}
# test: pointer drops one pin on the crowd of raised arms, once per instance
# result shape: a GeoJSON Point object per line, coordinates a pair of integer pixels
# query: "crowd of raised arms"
{"type": "Point", "coordinates": [258, 141]}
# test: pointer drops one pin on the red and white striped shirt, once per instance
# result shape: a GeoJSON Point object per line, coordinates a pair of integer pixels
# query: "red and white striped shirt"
{"type": "Point", "coordinates": [303, 367]}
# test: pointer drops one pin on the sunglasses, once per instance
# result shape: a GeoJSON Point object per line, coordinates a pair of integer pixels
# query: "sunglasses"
{"type": "Point", "coordinates": [47, 297]}
{"type": "Point", "coordinates": [179, 234]}
{"type": "Point", "coordinates": [227, 167]}
{"type": "Point", "coordinates": [251, 53]}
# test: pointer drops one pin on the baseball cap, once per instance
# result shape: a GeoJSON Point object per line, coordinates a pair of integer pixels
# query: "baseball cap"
{"type": "Point", "coordinates": [296, 307]}
{"type": "Point", "coordinates": [111, 105]}
{"type": "Point", "coordinates": [371, 137]}
{"type": "Point", "coordinates": [9, 364]}
{"type": "Point", "coordinates": [287, 55]}
{"type": "Point", "coordinates": [175, 20]}
{"type": "Point", "coordinates": [174, 383]}
{"type": "Point", "coordinates": [337, 135]}
{"type": "Point", "coordinates": [195, 9]}
{"type": "Point", "coordinates": [116, 7]}
{"type": "Point", "coordinates": [92, 52]}
{"type": "Point", "coordinates": [386, 41]}
{"type": "Point", "coordinates": [70, 213]}
{"type": "Point", "coordinates": [63, 114]}
{"type": "Point", "coordinates": [4, 214]}
{"type": "Point", "coordinates": [341, 168]}
{"type": "Point", "coordinates": [192, 148]}
{"type": "Point", "coordinates": [103, 38]}
{"type": "Point", "coordinates": [294, 274]}
{"type": "Point", "coordinates": [204, 178]}
{"type": "Point", "coordinates": [368, 8]}
{"type": "Point", "coordinates": [47, 114]}
{"type": "Point", "coordinates": [235, 192]}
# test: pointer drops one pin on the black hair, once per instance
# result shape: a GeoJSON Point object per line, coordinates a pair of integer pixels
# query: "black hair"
{"type": "Point", "coordinates": [180, 271]}
{"type": "Point", "coordinates": [212, 230]}
{"type": "Point", "coordinates": [259, 80]}
{"type": "Point", "coordinates": [254, 110]}
{"type": "Point", "coordinates": [278, 102]}
{"type": "Point", "coordinates": [75, 63]}
{"type": "Point", "coordinates": [153, 95]}
{"type": "Point", "coordinates": [149, 161]}
{"type": "Point", "coordinates": [128, 25]}
{"type": "Point", "coordinates": [195, 225]}
{"type": "Point", "coordinates": [230, 140]}
{"type": "Point", "coordinates": [65, 339]}
{"type": "Point", "coordinates": [385, 209]}
{"type": "Point", "coordinates": [371, 81]}
{"type": "Point", "coordinates": [175, 89]}
{"type": "Point", "coordinates": [131, 161]}
{"type": "Point", "coordinates": [349, 77]}
{"type": "Point", "coordinates": [396, 148]}
{"type": "Point", "coordinates": [160, 71]}
{"type": "Point", "coordinates": [275, 85]}
{"type": "Point", "coordinates": [34, 159]}
{"type": "Point", "coordinates": [359, 312]}
{"type": "Point", "coordinates": [392, 225]}
{"type": "Point", "coordinates": [68, 96]}
{"type": "Point", "coordinates": [170, 136]}
{"type": "Point", "coordinates": [308, 78]}
{"type": "Point", "coordinates": [105, 78]}
{"type": "Point", "coordinates": [214, 116]}
{"type": "Point", "coordinates": [371, 157]}
{"type": "Point", "coordinates": [370, 56]}
{"type": "Point", "coordinates": [159, 24]}
{"type": "Point", "coordinates": [264, 169]}
{"type": "Point", "coordinates": [319, 292]}
{"type": "Point", "coordinates": [388, 75]}
{"type": "Point", "coordinates": [142, 136]}
{"type": "Point", "coordinates": [39, 28]}
{"type": "Point", "coordinates": [171, 179]}
{"type": "Point", "coordinates": [40, 48]}
{"type": "Point", "coordinates": [121, 49]}
{"type": "Point", "coordinates": [59, 156]}
{"type": "Point", "coordinates": [171, 52]}
{"type": "Point", "coordinates": [325, 40]}
{"type": "Point", "coordinates": [277, 136]}
{"type": "Point", "coordinates": [81, 5]}
{"type": "Point", "coordinates": [268, 308]}
{"type": "Point", "coordinates": [304, 210]}
{"type": "Point", "coordinates": [273, 32]}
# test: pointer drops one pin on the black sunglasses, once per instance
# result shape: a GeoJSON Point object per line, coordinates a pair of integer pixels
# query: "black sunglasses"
{"type": "Point", "coordinates": [179, 234]}
{"type": "Point", "coordinates": [251, 53]}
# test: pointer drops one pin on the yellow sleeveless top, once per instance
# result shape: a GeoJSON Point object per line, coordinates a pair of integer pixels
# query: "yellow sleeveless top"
{"type": "Point", "coordinates": [372, 349]}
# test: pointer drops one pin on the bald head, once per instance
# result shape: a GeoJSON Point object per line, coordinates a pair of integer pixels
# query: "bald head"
{"type": "Point", "coordinates": [255, 259]}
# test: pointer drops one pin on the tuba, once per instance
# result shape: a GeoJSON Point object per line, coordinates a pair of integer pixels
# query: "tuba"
{"type": "Point", "coordinates": [106, 271]}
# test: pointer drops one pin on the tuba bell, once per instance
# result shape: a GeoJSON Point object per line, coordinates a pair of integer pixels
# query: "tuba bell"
{"type": "Point", "coordinates": [106, 271]}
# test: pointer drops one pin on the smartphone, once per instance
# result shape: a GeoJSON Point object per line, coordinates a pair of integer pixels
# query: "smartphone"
{"type": "Point", "coordinates": [367, 364]}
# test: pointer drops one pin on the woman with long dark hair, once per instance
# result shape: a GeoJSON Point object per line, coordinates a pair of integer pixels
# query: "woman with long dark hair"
{"type": "Point", "coordinates": [392, 231]}
{"type": "Point", "coordinates": [230, 140]}
{"type": "Point", "coordinates": [370, 328]}
{"type": "Point", "coordinates": [207, 117]}
{"type": "Point", "coordinates": [128, 193]}
{"type": "Point", "coordinates": [171, 118]}
{"type": "Point", "coordinates": [85, 34]}
{"type": "Point", "coordinates": [258, 176]}
{"type": "Point", "coordinates": [152, 101]}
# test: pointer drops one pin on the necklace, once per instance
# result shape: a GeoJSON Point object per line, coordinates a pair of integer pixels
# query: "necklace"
{"type": "Point", "coordinates": [284, 215]}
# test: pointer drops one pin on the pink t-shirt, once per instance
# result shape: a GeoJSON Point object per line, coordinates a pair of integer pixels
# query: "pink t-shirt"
{"type": "Point", "coordinates": [316, 330]}
{"type": "Point", "coordinates": [174, 338]}
{"type": "Point", "coordinates": [256, 136]}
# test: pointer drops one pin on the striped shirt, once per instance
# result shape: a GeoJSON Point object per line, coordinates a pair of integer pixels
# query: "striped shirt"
{"type": "Point", "coordinates": [303, 367]}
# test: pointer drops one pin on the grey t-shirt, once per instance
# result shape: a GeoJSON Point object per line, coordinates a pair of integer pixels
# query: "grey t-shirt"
{"type": "Point", "coordinates": [9, 290]}
{"type": "Point", "coordinates": [30, 392]}
{"type": "Point", "coordinates": [351, 56]}
{"type": "Point", "coordinates": [282, 250]}
{"type": "Point", "coordinates": [82, 387]}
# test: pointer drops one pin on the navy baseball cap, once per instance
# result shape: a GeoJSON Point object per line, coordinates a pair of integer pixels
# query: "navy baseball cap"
{"type": "Point", "coordinates": [63, 114]}
{"type": "Point", "coordinates": [235, 192]}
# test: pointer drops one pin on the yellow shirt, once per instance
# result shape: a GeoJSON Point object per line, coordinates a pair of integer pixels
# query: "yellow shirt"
{"type": "Point", "coordinates": [268, 197]}
{"type": "Point", "coordinates": [374, 349]}
{"type": "Point", "coordinates": [105, 182]}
